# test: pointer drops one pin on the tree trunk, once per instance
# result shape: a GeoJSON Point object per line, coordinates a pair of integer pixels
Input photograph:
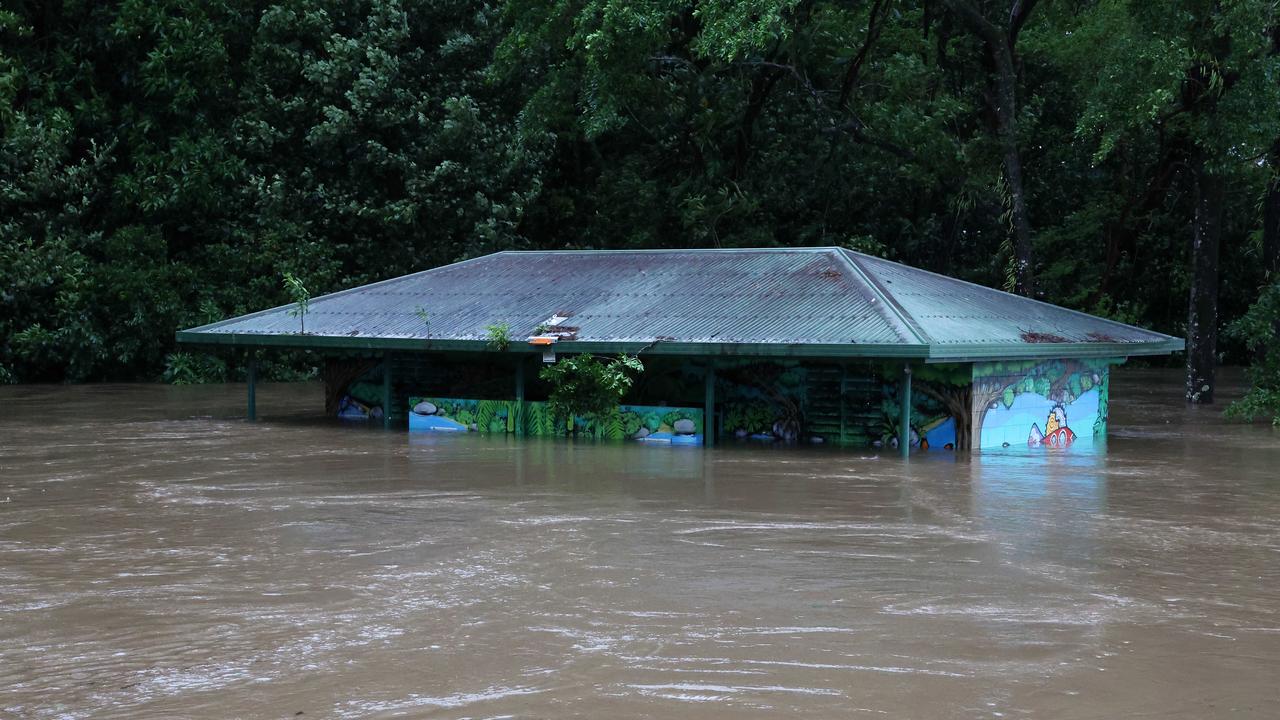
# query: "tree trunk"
{"type": "Point", "coordinates": [338, 376]}
{"type": "Point", "coordinates": [1000, 43]}
{"type": "Point", "coordinates": [984, 392]}
{"type": "Point", "coordinates": [1271, 217]}
{"type": "Point", "coordinates": [958, 400]}
{"type": "Point", "coordinates": [1007, 129]}
{"type": "Point", "coordinates": [1271, 241]}
{"type": "Point", "coordinates": [1202, 313]}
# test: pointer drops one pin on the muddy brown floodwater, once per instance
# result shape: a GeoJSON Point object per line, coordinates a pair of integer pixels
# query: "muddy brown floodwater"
{"type": "Point", "coordinates": [161, 558]}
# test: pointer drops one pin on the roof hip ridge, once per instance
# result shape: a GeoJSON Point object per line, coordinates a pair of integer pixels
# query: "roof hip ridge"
{"type": "Point", "coordinates": [883, 294]}
{"type": "Point", "coordinates": [1037, 301]}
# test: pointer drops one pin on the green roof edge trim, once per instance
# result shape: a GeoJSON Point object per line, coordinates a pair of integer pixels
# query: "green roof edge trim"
{"type": "Point", "coordinates": [977, 352]}
{"type": "Point", "coordinates": [330, 342]}
{"type": "Point", "coordinates": [958, 353]}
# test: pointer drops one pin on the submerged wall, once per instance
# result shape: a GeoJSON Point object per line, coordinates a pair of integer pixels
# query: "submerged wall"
{"type": "Point", "coordinates": [1040, 403]}
{"type": "Point", "coordinates": [1052, 403]}
{"type": "Point", "coordinates": [676, 425]}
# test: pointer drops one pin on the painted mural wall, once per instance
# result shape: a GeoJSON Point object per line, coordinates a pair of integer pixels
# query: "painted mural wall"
{"type": "Point", "coordinates": [790, 401]}
{"type": "Point", "coordinates": [765, 401]}
{"type": "Point", "coordinates": [1043, 403]}
{"type": "Point", "coordinates": [937, 392]}
{"type": "Point", "coordinates": [362, 401]}
{"type": "Point", "coordinates": [646, 423]}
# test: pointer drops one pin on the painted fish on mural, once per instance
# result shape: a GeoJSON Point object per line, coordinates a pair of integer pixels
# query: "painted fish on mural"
{"type": "Point", "coordinates": [1055, 433]}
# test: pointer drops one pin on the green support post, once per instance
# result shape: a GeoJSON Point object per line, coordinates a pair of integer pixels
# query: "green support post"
{"type": "Point", "coordinates": [386, 391]}
{"type": "Point", "coordinates": [253, 388]}
{"type": "Point", "coordinates": [904, 413]}
{"type": "Point", "coordinates": [844, 423]}
{"type": "Point", "coordinates": [519, 421]}
{"type": "Point", "coordinates": [709, 413]}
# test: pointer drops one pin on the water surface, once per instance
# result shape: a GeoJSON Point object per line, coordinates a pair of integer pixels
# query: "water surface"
{"type": "Point", "coordinates": [161, 558]}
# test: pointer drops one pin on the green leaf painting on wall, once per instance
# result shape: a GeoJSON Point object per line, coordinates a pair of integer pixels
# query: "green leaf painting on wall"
{"type": "Point", "coordinates": [502, 416]}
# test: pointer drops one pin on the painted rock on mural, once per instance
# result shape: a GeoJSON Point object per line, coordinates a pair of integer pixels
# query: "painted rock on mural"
{"type": "Point", "coordinates": [425, 408]}
{"type": "Point", "coordinates": [684, 426]}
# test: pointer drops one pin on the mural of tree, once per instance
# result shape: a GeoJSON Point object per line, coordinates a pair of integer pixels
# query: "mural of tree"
{"type": "Point", "coordinates": [951, 386]}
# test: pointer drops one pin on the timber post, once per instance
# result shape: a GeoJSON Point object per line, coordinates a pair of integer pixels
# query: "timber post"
{"type": "Point", "coordinates": [252, 382]}
{"type": "Point", "coordinates": [904, 413]}
{"type": "Point", "coordinates": [709, 412]}
{"type": "Point", "coordinates": [519, 419]}
{"type": "Point", "coordinates": [386, 391]}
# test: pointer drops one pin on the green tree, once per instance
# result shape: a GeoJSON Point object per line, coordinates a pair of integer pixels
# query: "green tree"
{"type": "Point", "coordinates": [586, 386]}
{"type": "Point", "coordinates": [1199, 73]}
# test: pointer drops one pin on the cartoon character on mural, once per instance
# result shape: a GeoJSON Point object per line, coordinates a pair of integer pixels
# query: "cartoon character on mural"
{"type": "Point", "coordinates": [1056, 433]}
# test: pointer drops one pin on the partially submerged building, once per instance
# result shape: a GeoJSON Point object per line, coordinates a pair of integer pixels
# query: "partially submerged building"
{"type": "Point", "coordinates": [795, 345]}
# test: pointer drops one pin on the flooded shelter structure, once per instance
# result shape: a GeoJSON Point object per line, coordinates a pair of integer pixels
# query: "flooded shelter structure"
{"type": "Point", "coordinates": [792, 345]}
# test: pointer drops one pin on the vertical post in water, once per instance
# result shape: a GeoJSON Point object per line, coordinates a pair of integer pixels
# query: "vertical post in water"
{"type": "Point", "coordinates": [386, 390]}
{"type": "Point", "coordinates": [519, 419]}
{"type": "Point", "coordinates": [904, 413]}
{"type": "Point", "coordinates": [252, 377]}
{"type": "Point", "coordinates": [844, 383]}
{"type": "Point", "coordinates": [709, 413]}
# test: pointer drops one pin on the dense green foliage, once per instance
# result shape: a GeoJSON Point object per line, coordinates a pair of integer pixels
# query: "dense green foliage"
{"type": "Point", "coordinates": [1260, 329]}
{"type": "Point", "coordinates": [584, 385]}
{"type": "Point", "coordinates": [499, 336]}
{"type": "Point", "coordinates": [165, 164]}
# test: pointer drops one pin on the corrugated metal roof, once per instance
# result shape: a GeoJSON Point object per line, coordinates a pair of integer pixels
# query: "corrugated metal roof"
{"type": "Point", "coordinates": [814, 301]}
{"type": "Point", "coordinates": [961, 318]}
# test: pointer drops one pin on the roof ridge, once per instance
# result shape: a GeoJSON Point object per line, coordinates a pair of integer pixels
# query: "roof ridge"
{"type": "Point", "coordinates": [1059, 308]}
{"type": "Point", "coordinates": [655, 251]}
{"type": "Point", "coordinates": [888, 300]}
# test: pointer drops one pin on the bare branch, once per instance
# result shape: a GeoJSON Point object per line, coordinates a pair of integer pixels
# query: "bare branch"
{"type": "Point", "coordinates": [875, 21]}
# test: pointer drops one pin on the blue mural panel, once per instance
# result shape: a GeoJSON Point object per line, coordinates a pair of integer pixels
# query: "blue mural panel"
{"type": "Point", "coordinates": [1051, 403]}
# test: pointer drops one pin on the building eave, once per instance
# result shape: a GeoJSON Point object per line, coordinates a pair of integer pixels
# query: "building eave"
{"type": "Point", "coordinates": [926, 353]}
{"type": "Point", "coordinates": [325, 342]}
{"type": "Point", "coordinates": [989, 352]}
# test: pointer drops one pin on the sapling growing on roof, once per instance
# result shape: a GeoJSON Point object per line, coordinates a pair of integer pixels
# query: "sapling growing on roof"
{"type": "Point", "coordinates": [425, 317]}
{"type": "Point", "coordinates": [301, 299]}
{"type": "Point", "coordinates": [499, 335]}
